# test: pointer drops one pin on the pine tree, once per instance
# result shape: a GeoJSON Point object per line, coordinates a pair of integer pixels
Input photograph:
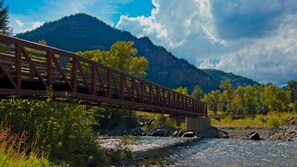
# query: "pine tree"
{"type": "Point", "coordinates": [4, 29]}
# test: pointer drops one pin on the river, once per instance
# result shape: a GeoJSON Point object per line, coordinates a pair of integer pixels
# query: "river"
{"type": "Point", "coordinates": [231, 152]}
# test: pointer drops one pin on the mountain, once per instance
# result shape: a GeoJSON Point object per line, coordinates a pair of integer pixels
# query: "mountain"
{"type": "Point", "coordinates": [236, 80]}
{"type": "Point", "coordinates": [82, 32]}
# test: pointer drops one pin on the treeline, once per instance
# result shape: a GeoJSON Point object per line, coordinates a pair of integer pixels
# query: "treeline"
{"type": "Point", "coordinates": [248, 100]}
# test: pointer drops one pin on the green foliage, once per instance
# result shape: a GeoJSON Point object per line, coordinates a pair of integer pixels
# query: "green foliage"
{"type": "Point", "coordinates": [146, 128]}
{"type": "Point", "coordinates": [275, 98]}
{"type": "Point", "coordinates": [119, 120]}
{"type": "Point", "coordinates": [4, 20]}
{"type": "Point", "coordinates": [121, 56]}
{"type": "Point", "coordinates": [250, 100]}
{"type": "Point", "coordinates": [164, 120]}
{"type": "Point", "coordinates": [273, 119]}
{"type": "Point", "coordinates": [62, 131]}
{"type": "Point", "coordinates": [213, 100]}
{"type": "Point", "coordinates": [182, 90]}
{"type": "Point", "coordinates": [13, 153]}
{"type": "Point", "coordinates": [197, 92]}
{"type": "Point", "coordinates": [292, 87]}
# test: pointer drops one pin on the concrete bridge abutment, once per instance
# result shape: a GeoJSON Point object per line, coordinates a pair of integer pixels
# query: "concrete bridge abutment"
{"type": "Point", "coordinates": [197, 123]}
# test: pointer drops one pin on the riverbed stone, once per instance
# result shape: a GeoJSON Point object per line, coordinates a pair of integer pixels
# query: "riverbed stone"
{"type": "Point", "coordinates": [175, 133]}
{"type": "Point", "coordinates": [180, 133]}
{"type": "Point", "coordinates": [159, 132]}
{"type": "Point", "coordinates": [254, 136]}
{"type": "Point", "coordinates": [189, 134]}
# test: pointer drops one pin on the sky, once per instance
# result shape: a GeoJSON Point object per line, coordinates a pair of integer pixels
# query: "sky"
{"type": "Point", "coordinates": [254, 39]}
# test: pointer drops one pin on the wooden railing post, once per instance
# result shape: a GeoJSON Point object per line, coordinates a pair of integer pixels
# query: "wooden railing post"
{"type": "Point", "coordinates": [18, 67]}
{"type": "Point", "coordinates": [142, 91]}
{"type": "Point", "coordinates": [49, 69]}
{"type": "Point", "coordinates": [93, 78]}
{"type": "Point", "coordinates": [151, 97]}
{"type": "Point", "coordinates": [133, 89]}
{"type": "Point", "coordinates": [169, 98]}
{"type": "Point", "coordinates": [158, 95]}
{"type": "Point", "coordinates": [109, 83]}
{"type": "Point", "coordinates": [74, 73]}
{"type": "Point", "coordinates": [122, 86]}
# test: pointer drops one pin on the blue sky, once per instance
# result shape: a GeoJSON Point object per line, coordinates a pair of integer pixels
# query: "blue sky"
{"type": "Point", "coordinates": [255, 40]}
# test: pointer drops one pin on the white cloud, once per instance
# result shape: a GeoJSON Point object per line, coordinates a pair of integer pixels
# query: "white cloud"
{"type": "Point", "coordinates": [172, 22]}
{"type": "Point", "coordinates": [255, 40]}
{"type": "Point", "coordinates": [35, 25]}
{"type": "Point", "coordinates": [19, 23]}
{"type": "Point", "coordinates": [268, 59]}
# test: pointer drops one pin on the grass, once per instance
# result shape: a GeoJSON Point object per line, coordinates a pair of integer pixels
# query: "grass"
{"type": "Point", "coordinates": [271, 120]}
{"type": "Point", "coordinates": [13, 153]}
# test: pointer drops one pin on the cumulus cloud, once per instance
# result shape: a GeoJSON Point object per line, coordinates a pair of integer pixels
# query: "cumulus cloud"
{"type": "Point", "coordinates": [171, 22]}
{"type": "Point", "coordinates": [256, 40]}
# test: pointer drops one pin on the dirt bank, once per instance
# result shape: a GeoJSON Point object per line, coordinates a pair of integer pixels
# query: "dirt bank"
{"type": "Point", "coordinates": [286, 132]}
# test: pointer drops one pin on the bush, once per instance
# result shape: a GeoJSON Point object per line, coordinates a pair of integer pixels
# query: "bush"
{"type": "Point", "coordinates": [164, 121]}
{"type": "Point", "coordinates": [62, 131]}
{"type": "Point", "coordinates": [274, 121]}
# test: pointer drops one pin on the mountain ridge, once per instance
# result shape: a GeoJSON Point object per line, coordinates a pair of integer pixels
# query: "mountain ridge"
{"type": "Point", "coordinates": [81, 32]}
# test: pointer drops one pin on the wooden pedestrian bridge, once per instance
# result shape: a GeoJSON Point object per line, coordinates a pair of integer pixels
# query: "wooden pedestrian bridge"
{"type": "Point", "coordinates": [28, 69]}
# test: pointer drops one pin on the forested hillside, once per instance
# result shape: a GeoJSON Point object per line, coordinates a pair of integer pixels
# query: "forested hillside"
{"type": "Point", "coordinates": [82, 32]}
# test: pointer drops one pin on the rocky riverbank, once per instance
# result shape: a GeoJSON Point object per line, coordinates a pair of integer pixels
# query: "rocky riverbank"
{"type": "Point", "coordinates": [285, 132]}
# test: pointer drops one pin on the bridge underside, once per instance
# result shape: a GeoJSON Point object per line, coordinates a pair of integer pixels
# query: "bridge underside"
{"type": "Point", "coordinates": [28, 69]}
{"type": "Point", "coordinates": [84, 99]}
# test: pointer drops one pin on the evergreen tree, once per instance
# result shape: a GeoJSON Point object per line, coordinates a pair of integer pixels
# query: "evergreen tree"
{"type": "Point", "coordinates": [4, 29]}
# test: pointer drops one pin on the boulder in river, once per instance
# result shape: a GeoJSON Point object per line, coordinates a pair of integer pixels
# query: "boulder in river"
{"type": "Point", "coordinates": [159, 132]}
{"type": "Point", "coordinates": [175, 133]}
{"type": "Point", "coordinates": [180, 133]}
{"type": "Point", "coordinates": [188, 134]}
{"type": "Point", "coordinates": [254, 136]}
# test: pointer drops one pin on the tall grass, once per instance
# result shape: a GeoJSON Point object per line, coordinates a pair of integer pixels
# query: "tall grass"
{"type": "Point", "coordinates": [273, 119]}
{"type": "Point", "coordinates": [14, 154]}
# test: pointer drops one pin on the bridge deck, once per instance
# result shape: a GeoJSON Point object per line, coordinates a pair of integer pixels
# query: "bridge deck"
{"type": "Point", "coordinates": [28, 69]}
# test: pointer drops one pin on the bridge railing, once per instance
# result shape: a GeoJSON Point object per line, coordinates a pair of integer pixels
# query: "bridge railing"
{"type": "Point", "coordinates": [26, 68]}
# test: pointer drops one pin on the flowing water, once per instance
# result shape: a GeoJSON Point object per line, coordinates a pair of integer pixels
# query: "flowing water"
{"type": "Point", "coordinates": [231, 152]}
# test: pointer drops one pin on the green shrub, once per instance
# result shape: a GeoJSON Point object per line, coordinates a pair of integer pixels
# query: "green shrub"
{"type": "Point", "coordinates": [274, 121]}
{"type": "Point", "coordinates": [62, 131]}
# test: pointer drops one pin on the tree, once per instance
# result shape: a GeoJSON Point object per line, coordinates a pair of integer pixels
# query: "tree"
{"type": "Point", "coordinates": [121, 56]}
{"type": "Point", "coordinates": [227, 95]}
{"type": "Point", "coordinates": [275, 98]}
{"type": "Point", "coordinates": [197, 93]}
{"type": "Point", "coordinates": [245, 100]}
{"type": "Point", "coordinates": [292, 87]}
{"type": "Point", "coordinates": [212, 99]}
{"type": "Point", "coordinates": [226, 86]}
{"type": "Point", "coordinates": [182, 90]}
{"type": "Point", "coordinates": [4, 29]}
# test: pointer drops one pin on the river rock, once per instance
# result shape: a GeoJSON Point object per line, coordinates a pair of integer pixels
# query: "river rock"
{"type": "Point", "coordinates": [188, 134]}
{"type": "Point", "coordinates": [254, 136]}
{"type": "Point", "coordinates": [180, 133]}
{"type": "Point", "coordinates": [159, 132]}
{"type": "Point", "coordinates": [175, 133]}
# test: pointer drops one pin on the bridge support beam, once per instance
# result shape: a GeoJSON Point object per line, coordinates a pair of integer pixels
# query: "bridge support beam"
{"type": "Point", "coordinates": [197, 123]}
